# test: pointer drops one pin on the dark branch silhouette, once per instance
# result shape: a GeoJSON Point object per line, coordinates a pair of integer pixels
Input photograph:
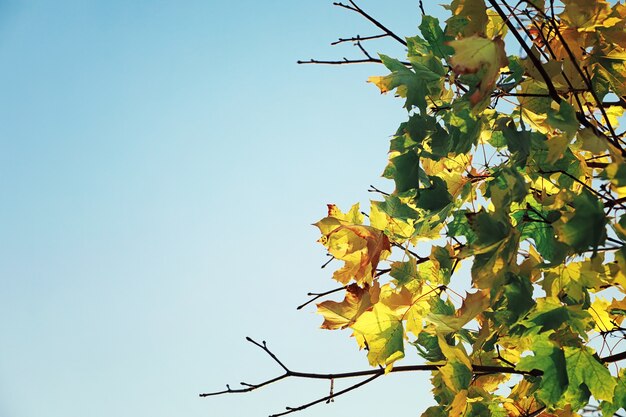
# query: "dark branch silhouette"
{"type": "Point", "coordinates": [372, 374]}
{"type": "Point", "coordinates": [318, 295]}
{"type": "Point", "coordinates": [358, 38]}
{"type": "Point", "coordinates": [353, 6]}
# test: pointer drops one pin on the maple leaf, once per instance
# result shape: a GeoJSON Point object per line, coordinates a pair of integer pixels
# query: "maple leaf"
{"type": "Point", "coordinates": [339, 315]}
{"type": "Point", "coordinates": [619, 396]}
{"type": "Point", "coordinates": [473, 305]}
{"type": "Point", "coordinates": [584, 227]}
{"type": "Point", "coordinates": [360, 247]}
{"type": "Point", "coordinates": [549, 359]}
{"type": "Point", "coordinates": [457, 372]}
{"type": "Point", "coordinates": [415, 84]}
{"type": "Point", "coordinates": [584, 368]}
{"type": "Point", "coordinates": [585, 16]}
{"type": "Point", "coordinates": [476, 53]}
{"type": "Point", "coordinates": [380, 331]}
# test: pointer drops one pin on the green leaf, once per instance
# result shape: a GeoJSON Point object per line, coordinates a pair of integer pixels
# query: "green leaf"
{"type": "Point", "coordinates": [427, 346]}
{"type": "Point", "coordinates": [394, 207]}
{"type": "Point", "coordinates": [585, 226]}
{"type": "Point", "coordinates": [518, 142]}
{"type": "Point", "coordinates": [405, 171]}
{"type": "Point", "coordinates": [457, 372]}
{"type": "Point", "coordinates": [460, 225]}
{"type": "Point", "coordinates": [518, 292]}
{"type": "Point", "coordinates": [619, 396]}
{"type": "Point", "coordinates": [435, 411]}
{"type": "Point", "coordinates": [434, 35]}
{"type": "Point", "coordinates": [434, 197]}
{"type": "Point", "coordinates": [404, 272]}
{"type": "Point", "coordinates": [585, 368]}
{"type": "Point", "coordinates": [549, 359]}
{"type": "Point", "coordinates": [417, 46]}
{"type": "Point", "coordinates": [472, 12]}
{"type": "Point", "coordinates": [463, 130]}
{"type": "Point", "coordinates": [564, 119]}
{"type": "Point", "coordinates": [507, 186]}
{"type": "Point", "coordinates": [413, 85]}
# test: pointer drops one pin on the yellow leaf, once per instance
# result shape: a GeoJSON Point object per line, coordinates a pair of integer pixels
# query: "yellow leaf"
{"type": "Point", "coordinates": [473, 305]}
{"type": "Point", "coordinates": [450, 169]}
{"type": "Point", "coordinates": [409, 304]}
{"type": "Point", "coordinates": [614, 113]}
{"type": "Point", "coordinates": [380, 331]}
{"type": "Point", "coordinates": [360, 247]}
{"type": "Point", "coordinates": [599, 311]}
{"type": "Point", "coordinates": [353, 216]}
{"type": "Point", "coordinates": [586, 16]}
{"type": "Point", "coordinates": [474, 54]}
{"type": "Point", "coordinates": [459, 404]}
{"type": "Point", "coordinates": [457, 372]}
{"type": "Point", "coordinates": [339, 315]}
{"type": "Point", "coordinates": [617, 309]}
{"type": "Point", "coordinates": [394, 226]}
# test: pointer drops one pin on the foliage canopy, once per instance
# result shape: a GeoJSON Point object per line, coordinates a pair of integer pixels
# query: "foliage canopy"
{"type": "Point", "coordinates": [512, 165]}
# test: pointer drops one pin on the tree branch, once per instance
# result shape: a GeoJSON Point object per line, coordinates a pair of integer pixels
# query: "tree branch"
{"type": "Point", "coordinates": [342, 62]}
{"type": "Point", "coordinates": [614, 358]}
{"type": "Point", "coordinates": [328, 397]}
{"type": "Point", "coordinates": [551, 89]}
{"type": "Point", "coordinates": [477, 369]}
{"type": "Point", "coordinates": [372, 374]}
{"type": "Point", "coordinates": [353, 6]}
{"type": "Point", "coordinates": [358, 38]}
{"type": "Point", "coordinates": [318, 295]}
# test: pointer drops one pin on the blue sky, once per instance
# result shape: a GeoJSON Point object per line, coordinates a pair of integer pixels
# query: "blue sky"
{"type": "Point", "coordinates": [161, 163]}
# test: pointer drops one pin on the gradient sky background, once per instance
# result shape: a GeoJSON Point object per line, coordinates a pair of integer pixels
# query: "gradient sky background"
{"type": "Point", "coordinates": [161, 163]}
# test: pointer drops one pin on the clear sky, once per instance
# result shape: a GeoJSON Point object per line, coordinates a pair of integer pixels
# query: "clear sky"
{"type": "Point", "coordinates": [161, 163]}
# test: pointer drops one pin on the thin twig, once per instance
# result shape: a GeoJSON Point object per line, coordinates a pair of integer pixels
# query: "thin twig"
{"type": "Point", "coordinates": [263, 346]}
{"type": "Point", "coordinates": [328, 397]}
{"type": "Point", "coordinates": [420, 259]}
{"type": "Point", "coordinates": [353, 6]}
{"type": "Point", "coordinates": [373, 189]}
{"type": "Point", "coordinates": [551, 89]}
{"type": "Point", "coordinates": [373, 374]}
{"type": "Point", "coordinates": [342, 62]}
{"type": "Point", "coordinates": [359, 38]}
{"type": "Point", "coordinates": [479, 369]}
{"type": "Point", "coordinates": [318, 295]}
{"type": "Point", "coordinates": [363, 50]}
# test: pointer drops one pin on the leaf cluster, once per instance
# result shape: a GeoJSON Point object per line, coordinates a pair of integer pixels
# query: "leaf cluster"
{"type": "Point", "coordinates": [511, 164]}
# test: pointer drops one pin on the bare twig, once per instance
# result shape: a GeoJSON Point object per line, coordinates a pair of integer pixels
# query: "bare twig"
{"type": "Point", "coordinates": [363, 50]}
{"type": "Point", "coordinates": [421, 5]}
{"type": "Point", "coordinates": [478, 369]}
{"type": "Point", "coordinates": [325, 264]}
{"type": "Point", "coordinates": [353, 6]}
{"type": "Point", "coordinates": [420, 259]}
{"type": "Point", "coordinates": [358, 38]}
{"type": "Point", "coordinates": [551, 89]}
{"type": "Point", "coordinates": [372, 374]}
{"type": "Point", "coordinates": [373, 189]}
{"type": "Point", "coordinates": [318, 295]}
{"type": "Point", "coordinates": [328, 397]}
{"type": "Point", "coordinates": [342, 62]}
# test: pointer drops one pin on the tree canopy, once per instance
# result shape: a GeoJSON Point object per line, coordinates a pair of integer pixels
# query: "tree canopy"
{"type": "Point", "coordinates": [512, 164]}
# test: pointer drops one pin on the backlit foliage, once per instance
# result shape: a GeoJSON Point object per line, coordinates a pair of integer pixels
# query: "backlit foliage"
{"type": "Point", "coordinates": [510, 165]}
